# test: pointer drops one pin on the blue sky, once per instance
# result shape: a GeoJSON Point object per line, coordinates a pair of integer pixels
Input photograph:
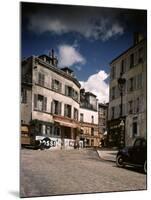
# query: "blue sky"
{"type": "Point", "coordinates": [86, 39]}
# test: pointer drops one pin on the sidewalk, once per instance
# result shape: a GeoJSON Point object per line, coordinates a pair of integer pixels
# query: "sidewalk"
{"type": "Point", "coordinates": [109, 155]}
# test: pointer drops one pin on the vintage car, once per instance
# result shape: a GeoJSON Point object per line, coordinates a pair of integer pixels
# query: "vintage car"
{"type": "Point", "coordinates": [135, 155]}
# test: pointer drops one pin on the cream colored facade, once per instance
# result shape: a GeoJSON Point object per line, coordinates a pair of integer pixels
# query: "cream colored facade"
{"type": "Point", "coordinates": [133, 65]}
{"type": "Point", "coordinates": [52, 108]}
{"type": "Point", "coordinates": [89, 127]}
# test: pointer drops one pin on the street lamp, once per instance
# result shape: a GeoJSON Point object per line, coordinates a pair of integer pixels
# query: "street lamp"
{"type": "Point", "coordinates": [121, 83]}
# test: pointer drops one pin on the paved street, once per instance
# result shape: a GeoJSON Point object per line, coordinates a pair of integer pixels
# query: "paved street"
{"type": "Point", "coordinates": [73, 171]}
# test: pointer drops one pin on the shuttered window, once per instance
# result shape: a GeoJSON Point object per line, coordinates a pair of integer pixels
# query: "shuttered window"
{"type": "Point", "coordinates": [40, 102]}
{"type": "Point", "coordinates": [56, 85]}
{"type": "Point", "coordinates": [41, 79]}
{"type": "Point", "coordinates": [67, 110]}
{"type": "Point", "coordinates": [35, 100]}
{"type": "Point", "coordinates": [56, 107]}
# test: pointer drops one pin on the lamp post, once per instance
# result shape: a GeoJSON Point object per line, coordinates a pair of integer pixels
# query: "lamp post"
{"type": "Point", "coordinates": [121, 83]}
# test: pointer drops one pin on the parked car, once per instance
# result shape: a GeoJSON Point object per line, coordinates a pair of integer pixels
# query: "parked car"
{"type": "Point", "coordinates": [135, 155]}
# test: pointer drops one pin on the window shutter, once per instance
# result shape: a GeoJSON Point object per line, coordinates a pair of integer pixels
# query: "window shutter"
{"type": "Point", "coordinates": [59, 110]}
{"type": "Point", "coordinates": [60, 87]}
{"type": "Point", "coordinates": [45, 104]}
{"type": "Point", "coordinates": [134, 83]}
{"type": "Point", "coordinates": [65, 110]}
{"type": "Point", "coordinates": [35, 100]}
{"type": "Point", "coordinates": [66, 90]}
{"type": "Point", "coordinates": [52, 107]}
{"type": "Point", "coordinates": [39, 78]}
{"type": "Point", "coordinates": [52, 84]}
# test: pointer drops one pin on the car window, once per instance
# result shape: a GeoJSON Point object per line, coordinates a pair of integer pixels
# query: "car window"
{"type": "Point", "coordinates": [137, 143]}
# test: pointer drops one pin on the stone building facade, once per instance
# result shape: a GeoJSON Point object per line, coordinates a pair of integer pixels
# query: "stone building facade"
{"type": "Point", "coordinates": [132, 66]}
{"type": "Point", "coordinates": [50, 100]}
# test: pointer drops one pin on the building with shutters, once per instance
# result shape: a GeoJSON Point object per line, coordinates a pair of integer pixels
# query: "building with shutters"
{"type": "Point", "coordinates": [89, 119]}
{"type": "Point", "coordinates": [50, 100]}
{"type": "Point", "coordinates": [132, 66]}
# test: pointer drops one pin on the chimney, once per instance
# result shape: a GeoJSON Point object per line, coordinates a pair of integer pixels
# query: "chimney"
{"type": "Point", "coordinates": [138, 37]}
{"type": "Point", "coordinates": [54, 60]}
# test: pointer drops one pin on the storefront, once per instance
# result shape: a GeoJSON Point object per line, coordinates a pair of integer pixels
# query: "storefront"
{"type": "Point", "coordinates": [116, 133]}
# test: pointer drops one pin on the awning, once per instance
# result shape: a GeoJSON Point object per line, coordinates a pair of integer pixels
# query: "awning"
{"type": "Point", "coordinates": [24, 128]}
{"type": "Point", "coordinates": [71, 125]}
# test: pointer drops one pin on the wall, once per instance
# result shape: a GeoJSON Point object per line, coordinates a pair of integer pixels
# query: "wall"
{"type": "Point", "coordinates": [88, 115]}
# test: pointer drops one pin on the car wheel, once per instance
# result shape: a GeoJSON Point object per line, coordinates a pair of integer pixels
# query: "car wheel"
{"type": "Point", "coordinates": [119, 161]}
{"type": "Point", "coordinates": [145, 167]}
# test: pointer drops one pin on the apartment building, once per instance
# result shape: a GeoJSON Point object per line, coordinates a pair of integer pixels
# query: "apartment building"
{"type": "Point", "coordinates": [89, 119]}
{"type": "Point", "coordinates": [50, 99]}
{"type": "Point", "coordinates": [131, 66]}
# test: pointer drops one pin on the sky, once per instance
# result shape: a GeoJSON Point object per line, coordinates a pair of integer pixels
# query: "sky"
{"type": "Point", "coordinates": [86, 39]}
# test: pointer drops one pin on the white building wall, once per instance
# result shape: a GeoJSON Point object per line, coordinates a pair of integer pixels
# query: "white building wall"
{"type": "Point", "coordinates": [50, 94]}
{"type": "Point", "coordinates": [87, 115]}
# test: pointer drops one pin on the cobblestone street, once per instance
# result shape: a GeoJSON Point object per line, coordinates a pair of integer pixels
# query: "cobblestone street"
{"type": "Point", "coordinates": [58, 172]}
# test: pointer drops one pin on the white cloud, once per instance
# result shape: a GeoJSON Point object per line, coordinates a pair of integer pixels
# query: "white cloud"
{"type": "Point", "coordinates": [97, 85]}
{"type": "Point", "coordinates": [97, 27]}
{"type": "Point", "coordinates": [68, 56]}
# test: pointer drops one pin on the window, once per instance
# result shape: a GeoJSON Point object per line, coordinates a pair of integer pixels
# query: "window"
{"type": "Point", "coordinates": [68, 91]}
{"type": "Point", "coordinates": [81, 117]}
{"type": "Point", "coordinates": [113, 93]}
{"type": "Point", "coordinates": [123, 62]}
{"type": "Point", "coordinates": [139, 81]}
{"type": "Point", "coordinates": [57, 131]}
{"type": "Point", "coordinates": [131, 60]}
{"type": "Point", "coordinates": [56, 85]}
{"type": "Point", "coordinates": [49, 130]}
{"type": "Point", "coordinates": [24, 95]}
{"type": "Point", "coordinates": [137, 105]}
{"type": "Point", "coordinates": [42, 129]}
{"type": "Point", "coordinates": [92, 119]}
{"type": "Point", "coordinates": [130, 104]}
{"type": "Point", "coordinates": [75, 95]}
{"type": "Point", "coordinates": [41, 79]}
{"type": "Point", "coordinates": [134, 129]}
{"type": "Point", "coordinates": [75, 114]}
{"type": "Point", "coordinates": [67, 110]}
{"type": "Point", "coordinates": [131, 84]}
{"type": "Point", "coordinates": [92, 131]}
{"type": "Point", "coordinates": [56, 107]}
{"type": "Point", "coordinates": [113, 72]}
{"type": "Point", "coordinates": [112, 112]}
{"type": "Point", "coordinates": [140, 55]}
{"type": "Point", "coordinates": [40, 102]}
